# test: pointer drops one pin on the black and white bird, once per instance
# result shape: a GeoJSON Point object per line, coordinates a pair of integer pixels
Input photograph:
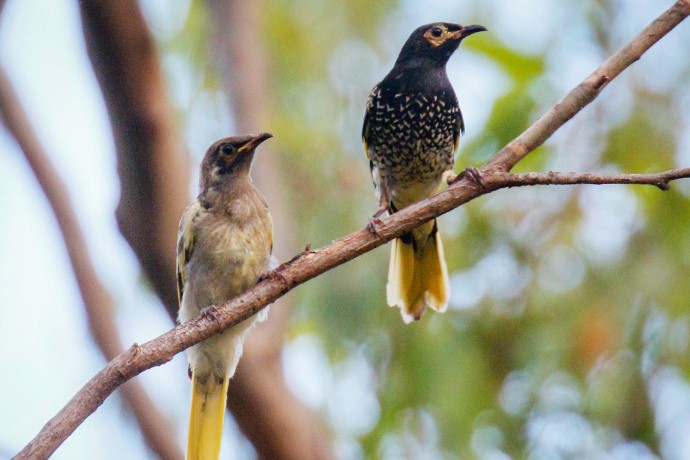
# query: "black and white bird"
{"type": "Point", "coordinates": [411, 130]}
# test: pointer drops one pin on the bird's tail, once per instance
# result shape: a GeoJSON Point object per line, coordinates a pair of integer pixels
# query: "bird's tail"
{"type": "Point", "coordinates": [418, 276]}
{"type": "Point", "coordinates": [206, 416]}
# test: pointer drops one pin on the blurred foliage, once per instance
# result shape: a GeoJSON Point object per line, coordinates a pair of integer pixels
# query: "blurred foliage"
{"type": "Point", "coordinates": [567, 333]}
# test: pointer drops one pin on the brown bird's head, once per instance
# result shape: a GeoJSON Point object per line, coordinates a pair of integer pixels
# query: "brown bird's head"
{"type": "Point", "coordinates": [228, 160]}
{"type": "Point", "coordinates": [433, 44]}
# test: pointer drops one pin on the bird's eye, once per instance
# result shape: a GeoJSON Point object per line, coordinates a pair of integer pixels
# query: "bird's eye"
{"type": "Point", "coordinates": [436, 32]}
{"type": "Point", "coordinates": [228, 149]}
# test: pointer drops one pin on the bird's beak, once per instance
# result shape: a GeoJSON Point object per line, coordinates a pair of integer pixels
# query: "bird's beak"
{"type": "Point", "coordinates": [254, 142]}
{"type": "Point", "coordinates": [466, 31]}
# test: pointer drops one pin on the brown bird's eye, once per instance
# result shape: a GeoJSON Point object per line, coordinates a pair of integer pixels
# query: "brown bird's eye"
{"type": "Point", "coordinates": [436, 32]}
{"type": "Point", "coordinates": [228, 149]}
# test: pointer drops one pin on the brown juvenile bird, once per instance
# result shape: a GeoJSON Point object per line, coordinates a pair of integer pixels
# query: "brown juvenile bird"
{"type": "Point", "coordinates": [224, 246]}
{"type": "Point", "coordinates": [411, 130]}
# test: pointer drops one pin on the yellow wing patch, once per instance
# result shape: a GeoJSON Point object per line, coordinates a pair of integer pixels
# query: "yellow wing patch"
{"type": "Point", "coordinates": [365, 135]}
{"type": "Point", "coordinates": [365, 126]}
{"type": "Point", "coordinates": [185, 245]}
{"type": "Point", "coordinates": [458, 129]}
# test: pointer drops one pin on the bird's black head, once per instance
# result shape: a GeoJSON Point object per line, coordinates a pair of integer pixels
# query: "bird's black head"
{"type": "Point", "coordinates": [229, 158]}
{"type": "Point", "coordinates": [433, 44]}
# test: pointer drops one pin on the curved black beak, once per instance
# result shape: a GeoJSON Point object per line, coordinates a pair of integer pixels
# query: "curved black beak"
{"type": "Point", "coordinates": [255, 141]}
{"type": "Point", "coordinates": [466, 31]}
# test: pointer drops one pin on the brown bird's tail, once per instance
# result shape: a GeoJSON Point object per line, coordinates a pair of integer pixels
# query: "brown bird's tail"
{"type": "Point", "coordinates": [206, 416]}
{"type": "Point", "coordinates": [417, 275]}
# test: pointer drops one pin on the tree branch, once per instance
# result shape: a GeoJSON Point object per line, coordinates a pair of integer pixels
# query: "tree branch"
{"type": "Point", "coordinates": [310, 264]}
{"type": "Point", "coordinates": [588, 89]}
{"type": "Point", "coordinates": [503, 179]}
{"type": "Point", "coordinates": [156, 429]}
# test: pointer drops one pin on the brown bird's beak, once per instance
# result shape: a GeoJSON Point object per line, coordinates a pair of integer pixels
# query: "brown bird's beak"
{"type": "Point", "coordinates": [466, 31]}
{"type": "Point", "coordinates": [254, 142]}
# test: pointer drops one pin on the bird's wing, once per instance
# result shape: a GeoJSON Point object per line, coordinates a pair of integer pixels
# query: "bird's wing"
{"type": "Point", "coordinates": [185, 245]}
{"type": "Point", "coordinates": [367, 114]}
{"type": "Point", "coordinates": [458, 129]}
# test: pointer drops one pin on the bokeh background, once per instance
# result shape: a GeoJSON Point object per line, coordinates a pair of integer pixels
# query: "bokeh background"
{"type": "Point", "coordinates": [568, 328]}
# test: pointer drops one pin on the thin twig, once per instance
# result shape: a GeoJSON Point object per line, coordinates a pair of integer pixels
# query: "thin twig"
{"type": "Point", "coordinates": [587, 90]}
{"type": "Point", "coordinates": [661, 180]}
{"type": "Point", "coordinates": [311, 264]}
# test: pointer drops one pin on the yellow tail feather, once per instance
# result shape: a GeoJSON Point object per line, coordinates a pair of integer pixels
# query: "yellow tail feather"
{"type": "Point", "coordinates": [435, 273]}
{"type": "Point", "coordinates": [417, 278]}
{"type": "Point", "coordinates": [206, 417]}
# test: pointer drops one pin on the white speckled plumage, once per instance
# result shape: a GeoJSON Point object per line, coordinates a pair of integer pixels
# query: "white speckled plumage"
{"type": "Point", "coordinates": [411, 128]}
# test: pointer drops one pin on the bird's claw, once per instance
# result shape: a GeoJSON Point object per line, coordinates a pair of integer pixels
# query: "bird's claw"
{"type": "Point", "coordinates": [211, 312]}
{"type": "Point", "coordinates": [373, 225]}
{"type": "Point", "coordinates": [274, 274]}
{"type": "Point", "coordinates": [375, 220]}
{"type": "Point", "coordinates": [471, 173]}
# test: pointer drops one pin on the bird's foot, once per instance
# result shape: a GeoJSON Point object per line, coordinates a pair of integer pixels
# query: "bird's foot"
{"type": "Point", "coordinates": [274, 274]}
{"type": "Point", "coordinates": [375, 220]}
{"type": "Point", "coordinates": [373, 225]}
{"type": "Point", "coordinates": [381, 211]}
{"type": "Point", "coordinates": [211, 312]}
{"type": "Point", "coordinates": [471, 173]}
